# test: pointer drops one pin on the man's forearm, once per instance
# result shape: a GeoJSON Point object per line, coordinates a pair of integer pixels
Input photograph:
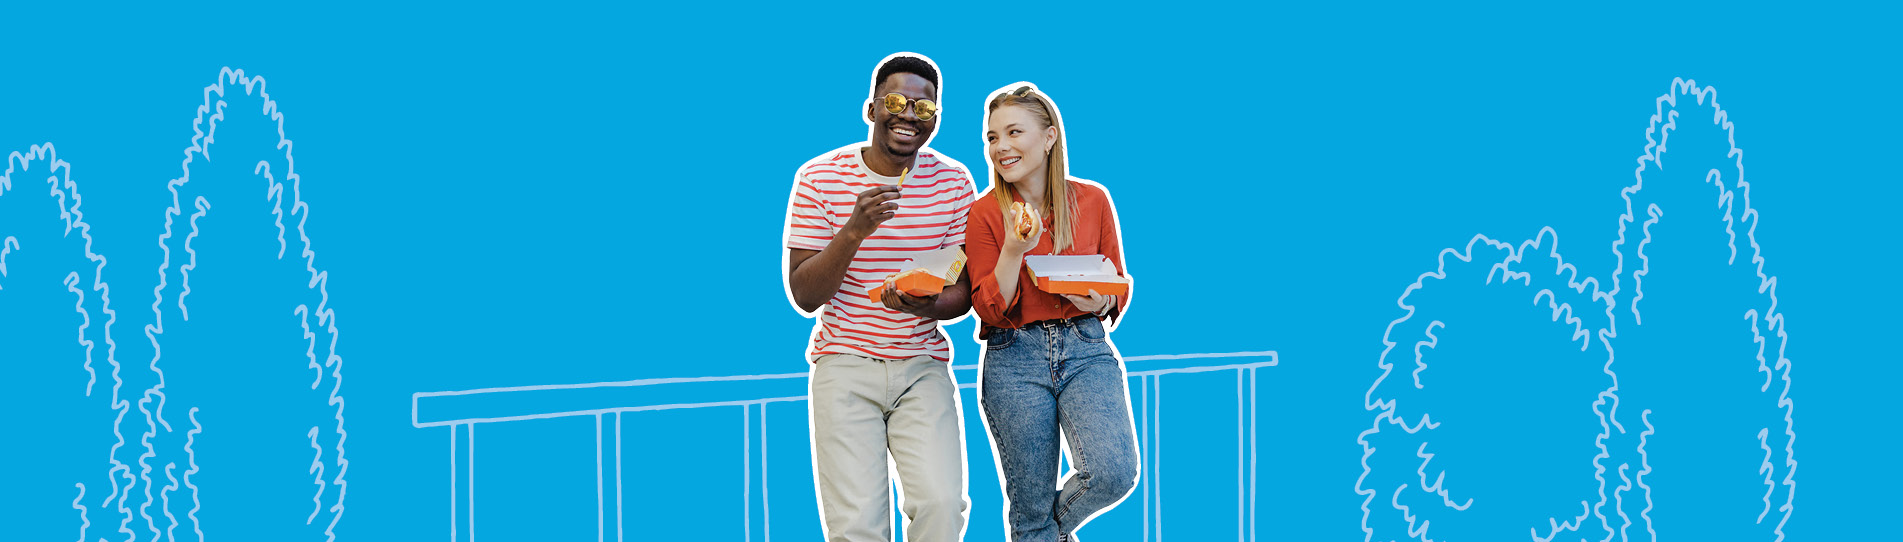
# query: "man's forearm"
{"type": "Point", "coordinates": [953, 302]}
{"type": "Point", "coordinates": [816, 279]}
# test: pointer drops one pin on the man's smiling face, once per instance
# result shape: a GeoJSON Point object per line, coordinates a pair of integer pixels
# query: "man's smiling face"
{"type": "Point", "coordinates": [902, 135]}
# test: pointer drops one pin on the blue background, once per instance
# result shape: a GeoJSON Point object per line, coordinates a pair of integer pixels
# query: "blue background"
{"type": "Point", "coordinates": [556, 194]}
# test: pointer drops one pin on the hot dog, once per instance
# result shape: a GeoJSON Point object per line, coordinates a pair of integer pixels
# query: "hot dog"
{"type": "Point", "coordinates": [1025, 219]}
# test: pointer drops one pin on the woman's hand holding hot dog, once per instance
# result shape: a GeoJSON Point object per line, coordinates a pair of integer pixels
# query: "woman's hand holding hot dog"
{"type": "Point", "coordinates": [1012, 249]}
{"type": "Point", "coordinates": [1031, 227]}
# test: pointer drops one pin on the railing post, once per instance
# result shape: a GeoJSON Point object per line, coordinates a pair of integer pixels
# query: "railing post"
{"type": "Point", "coordinates": [620, 505]}
{"type": "Point", "coordinates": [766, 515]}
{"type": "Point", "coordinates": [455, 498]}
{"type": "Point", "coordinates": [1241, 469]}
{"type": "Point", "coordinates": [1152, 444]}
{"type": "Point", "coordinates": [471, 428]}
{"type": "Point", "coordinates": [608, 467]}
{"type": "Point", "coordinates": [749, 424]}
{"type": "Point", "coordinates": [1252, 452]}
{"type": "Point", "coordinates": [746, 472]}
{"type": "Point", "coordinates": [462, 482]}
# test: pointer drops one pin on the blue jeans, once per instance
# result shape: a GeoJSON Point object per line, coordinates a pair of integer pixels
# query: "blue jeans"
{"type": "Point", "coordinates": [1038, 380]}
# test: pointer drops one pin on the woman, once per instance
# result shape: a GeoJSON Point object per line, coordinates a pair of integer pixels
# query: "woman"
{"type": "Point", "coordinates": [1048, 365]}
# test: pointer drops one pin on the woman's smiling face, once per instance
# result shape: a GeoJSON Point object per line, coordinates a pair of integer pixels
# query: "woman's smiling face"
{"type": "Point", "coordinates": [1018, 143]}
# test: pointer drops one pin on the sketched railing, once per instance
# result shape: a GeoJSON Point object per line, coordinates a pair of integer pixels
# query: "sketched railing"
{"type": "Point", "coordinates": [609, 402]}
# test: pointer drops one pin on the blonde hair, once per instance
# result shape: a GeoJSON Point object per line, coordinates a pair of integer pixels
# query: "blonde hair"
{"type": "Point", "coordinates": [1056, 175]}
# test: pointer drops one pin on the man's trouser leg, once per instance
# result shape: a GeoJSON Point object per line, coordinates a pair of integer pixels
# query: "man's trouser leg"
{"type": "Point", "coordinates": [849, 448]}
{"type": "Point", "coordinates": [926, 435]}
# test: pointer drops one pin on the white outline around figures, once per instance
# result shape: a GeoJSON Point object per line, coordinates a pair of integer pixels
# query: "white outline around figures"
{"type": "Point", "coordinates": [1146, 463]}
{"type": "Point", "coordinates": [1663, 123]}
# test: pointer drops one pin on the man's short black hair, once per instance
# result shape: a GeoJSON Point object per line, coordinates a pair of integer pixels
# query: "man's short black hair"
{"type": "Point", "coordinates": [905, 64]}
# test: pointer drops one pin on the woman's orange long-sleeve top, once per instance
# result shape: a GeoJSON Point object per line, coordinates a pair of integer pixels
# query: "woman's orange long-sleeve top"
{"type": "Point", "coordinates": [1094, 231]}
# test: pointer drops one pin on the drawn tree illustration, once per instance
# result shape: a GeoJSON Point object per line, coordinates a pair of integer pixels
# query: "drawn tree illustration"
{"type": "Point", "coordinates": [1662, 390]}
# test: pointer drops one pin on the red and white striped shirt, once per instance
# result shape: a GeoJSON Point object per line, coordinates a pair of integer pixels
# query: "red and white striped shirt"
{"type": "Point", "coordinates": [933, 206]}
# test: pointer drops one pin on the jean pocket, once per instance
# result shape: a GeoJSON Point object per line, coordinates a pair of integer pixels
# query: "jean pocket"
{"type": "Point", "coordinates": [1090, 330]}
{"type": "Point", "coordinates": [1000, 338]}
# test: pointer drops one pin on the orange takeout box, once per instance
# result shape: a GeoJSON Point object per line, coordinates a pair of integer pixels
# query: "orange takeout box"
{"type": "Point", "coordinates": [1076, 275]}
{"type": "Point", "coordinates": [927, 274]}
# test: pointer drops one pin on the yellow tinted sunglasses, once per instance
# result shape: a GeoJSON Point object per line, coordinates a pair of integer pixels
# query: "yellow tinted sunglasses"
{"type": "Point", "coordinates": [896, 103]}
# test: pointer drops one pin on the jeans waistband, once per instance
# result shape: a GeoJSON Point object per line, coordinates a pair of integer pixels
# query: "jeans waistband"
{"type": "Point", "coordinates": [1054, 322]}
{"type": "Point", "coordinates": [1061, 321]}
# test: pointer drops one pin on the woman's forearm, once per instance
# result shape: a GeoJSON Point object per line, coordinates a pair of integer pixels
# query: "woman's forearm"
{"type": "Point", "coordinates": [1009, 265]}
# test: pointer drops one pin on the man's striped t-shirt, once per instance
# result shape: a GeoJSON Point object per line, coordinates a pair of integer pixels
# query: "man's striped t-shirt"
{"type": "Point", "coordinates": [933, 205]}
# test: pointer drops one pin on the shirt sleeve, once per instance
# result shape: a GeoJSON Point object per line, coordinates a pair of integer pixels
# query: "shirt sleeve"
{"type": "Point", "coordinates": [982, 251]}
{"type": "Point", "coordinates": [1112, 245]}
{"type": "Point", "coordinates": [961, 217]}
{"type": "Point", "coordinates": [809, 223]}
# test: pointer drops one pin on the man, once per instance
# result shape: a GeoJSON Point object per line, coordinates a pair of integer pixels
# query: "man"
{"type": "Point", "coordinates": [881, 379]}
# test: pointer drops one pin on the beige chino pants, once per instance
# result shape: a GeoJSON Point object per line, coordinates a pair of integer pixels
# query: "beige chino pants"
{"type": "Point", "coordinates": [864, 408]}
